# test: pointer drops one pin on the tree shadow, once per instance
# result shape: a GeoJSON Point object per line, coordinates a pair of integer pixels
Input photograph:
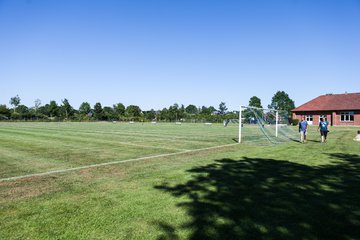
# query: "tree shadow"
{"type": "Point", "coordinates": [168, 231]}
{"type": "Point", "coordinates": [255, 198]}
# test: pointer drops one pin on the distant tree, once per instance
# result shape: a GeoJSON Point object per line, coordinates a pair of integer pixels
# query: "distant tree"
{"type": "Point", "coordinates": [53, 109]}
{"type": "Point", "coordinates": [174, 112]}
{"type": "Point", "coordinates": [282, 101]}
{"type": "Point", "coordinates": [4, 112]}
{"type": "Point", "coordinates": [109, 113]}
{"type": "Point", "coordinates": [67, 108]}
{"type": "Point", "coordinates": [150, 115]}
{"type": "Point", "coordinates": [182, 110]}
{"type": "Point", "coordinates": [222, 108]}
{"type": "Point", "coordinates": [133, 111]}
{"type": "Point", "coordinates": [23, 111]}
{"type": "Point", "coordinates": [37, 103]}
{"type": "Point", "coordinates": [191, 109]}
{"type": "Point", "coordinates": [255, 102]}
{"type": "Point", "coordinates": [164, 114]}
{"type": "Point", "coordinates": [119, 109]}
{"type": "Point", "coordinates": [98, 111]}
{"type": "Point", "coordinates": [84, 108]}
{"type": "Point", "coordinates": [232, 115]}
{"type": "Point", "coordinates": [15, 101]}
{"type": "Point", "coordinates": [211, 109]}
{"type": "Point", "coordinates": [35, 113]}
{"type": "Point", "coordinates": [44, 110]}
{"type": "Point", "coordinates": [207, 110]}
{"type": "Point", "coordinates": [247, 114]}
{"type": "Point", "coordinates": [207, 114]}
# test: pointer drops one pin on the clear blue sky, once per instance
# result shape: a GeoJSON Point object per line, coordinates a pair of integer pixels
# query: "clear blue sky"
{"type": "Point", "coordinates": [156, 53]}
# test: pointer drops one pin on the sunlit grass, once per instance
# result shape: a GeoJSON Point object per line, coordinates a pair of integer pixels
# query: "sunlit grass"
{"type": "Point", "coordinates": [240, 191]}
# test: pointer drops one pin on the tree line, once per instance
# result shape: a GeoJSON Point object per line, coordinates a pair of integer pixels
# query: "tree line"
{"type": "Point", "coordinates": [64, 111]}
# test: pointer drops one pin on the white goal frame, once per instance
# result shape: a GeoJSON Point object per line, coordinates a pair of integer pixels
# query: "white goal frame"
{"type": "Point", "coordinates": [240, 119]}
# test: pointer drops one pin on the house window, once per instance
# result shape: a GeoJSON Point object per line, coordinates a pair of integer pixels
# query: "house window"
{"type": "Point", "coordinates": [309, 118]}
{"type": "Point", "coordinates": [347, 116]}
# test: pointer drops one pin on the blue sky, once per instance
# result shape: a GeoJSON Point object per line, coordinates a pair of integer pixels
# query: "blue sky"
{"type": "Point", "coordinates": [156, 53]}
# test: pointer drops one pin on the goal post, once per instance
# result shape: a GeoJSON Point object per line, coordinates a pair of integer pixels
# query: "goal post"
{"type": "Point", "coordinates": [264, 125]}
{"type": "Point", "coordinates": [240, 123]}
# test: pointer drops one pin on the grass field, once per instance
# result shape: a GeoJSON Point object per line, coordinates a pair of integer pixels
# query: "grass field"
{"type": "Point", "coordinates": [199, 185]}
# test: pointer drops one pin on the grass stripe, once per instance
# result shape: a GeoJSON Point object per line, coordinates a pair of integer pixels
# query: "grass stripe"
{"type": "Point", "coordinates": [123, 134]}
{"type": "Point", "coordinates": [111, 163]}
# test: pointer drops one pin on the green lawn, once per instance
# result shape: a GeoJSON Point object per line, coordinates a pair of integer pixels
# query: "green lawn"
{"type": "Point", "coordinates": [247, 191]}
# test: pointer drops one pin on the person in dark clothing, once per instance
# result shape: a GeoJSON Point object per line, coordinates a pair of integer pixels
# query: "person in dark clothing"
{"type": "Point", "coordinates": [324, 129]}
{"type": "Point", "coordinates": [303, 125]}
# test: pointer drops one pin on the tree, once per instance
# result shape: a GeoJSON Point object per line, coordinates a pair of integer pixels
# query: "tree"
{"type": "Point", "coordinates": [212, 109]}
{"type": "Point", "coordinates": [15, 101]}
{"type": "Point", "coordinates": [222, 108]}
{"type": "Point", "coordinates": [248, 115]}
{"type": "Point", "coordinates": [4, 112]}
{"type": "Point", "coordinates": [282, 101]}
{"type": "Point", "coordinates": [191, 109]}
{"type": "Point", "coordinates": [133, 111]}
{"type": "Point", "coordinates": [109, 113]}
{"type": "Point", "coordinates": [67, 108]}
{"type": "Point", "coordinates": [150, 115]}
{"type": "Point", "coordinates": [207, 110]}
{"type": "Point", "coordinates": [164, 114]}
{"type": "Point", "coordinates": [98, 111]}
{"type": "Point", "coordinates": [173, 112]}
{"type": "Point", "coordinates": [37, 103]}
{"type": "Point", "coordinates": [44, 110]}
{"type": "Point", "coordinates": [255, 102]}
{"type": "Point", "coordinates": [119, 109]}
{"type": "Point", "coordinates": [182, 110]}
{"type": "Point", "coordinates": [53, 109]}
{"type": "Point", "coordinates": [23, 111]}
{"type": "Point", "coordinates": [84, 108]}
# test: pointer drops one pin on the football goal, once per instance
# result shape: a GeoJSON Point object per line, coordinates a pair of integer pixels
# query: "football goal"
{"type": "Point", "coordinates": [260, 125]}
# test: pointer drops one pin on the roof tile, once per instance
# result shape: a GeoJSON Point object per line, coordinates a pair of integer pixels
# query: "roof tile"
{"type": "Point", "coordinates": [332, 102]}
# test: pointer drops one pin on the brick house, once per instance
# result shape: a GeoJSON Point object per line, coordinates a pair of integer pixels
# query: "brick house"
{"type": "Point", "coordinates": [338, 109]}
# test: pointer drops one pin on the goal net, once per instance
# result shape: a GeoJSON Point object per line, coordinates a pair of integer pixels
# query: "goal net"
{"type": "Point", "coordinates": [263, 126]}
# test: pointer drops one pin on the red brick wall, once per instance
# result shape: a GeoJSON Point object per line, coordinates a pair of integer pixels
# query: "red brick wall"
{"type": "Point", "coordinates": [338, 122]}
{"type": "Point", "coordinates": [316, 116]}
{"type": "Point", "coordinates": [334, 118]}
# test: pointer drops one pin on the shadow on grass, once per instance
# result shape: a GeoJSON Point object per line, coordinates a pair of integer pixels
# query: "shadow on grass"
{"type": "Point", "coordinates": [318, 141]}
{"type": "Point", "coordinates": [270, 199]}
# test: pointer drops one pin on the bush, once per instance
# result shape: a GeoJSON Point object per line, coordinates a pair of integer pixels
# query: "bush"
{"type": "Point", "coordinates": [295, 122]}
{"type": "Point", "coordinates": [15, 116]}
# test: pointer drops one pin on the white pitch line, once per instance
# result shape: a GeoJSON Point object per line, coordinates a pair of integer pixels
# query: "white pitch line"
{"type": "Point", "coordinates": [110, 163]}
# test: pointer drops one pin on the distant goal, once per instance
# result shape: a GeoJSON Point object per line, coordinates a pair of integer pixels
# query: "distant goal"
{"type": "Point", "coordinates": [261, 125]}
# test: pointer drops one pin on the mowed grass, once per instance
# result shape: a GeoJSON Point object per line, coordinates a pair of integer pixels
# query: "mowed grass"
{"type": "Point", "coordinates": [28, 148]}
{"type": "Point", "coordinates": [286, 191]}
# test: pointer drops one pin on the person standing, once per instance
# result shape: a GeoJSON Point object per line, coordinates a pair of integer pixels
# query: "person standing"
{"type": "Point", "coordinates": [323, 126]}
{"type": "Point", "coordinates": [303, 125]}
